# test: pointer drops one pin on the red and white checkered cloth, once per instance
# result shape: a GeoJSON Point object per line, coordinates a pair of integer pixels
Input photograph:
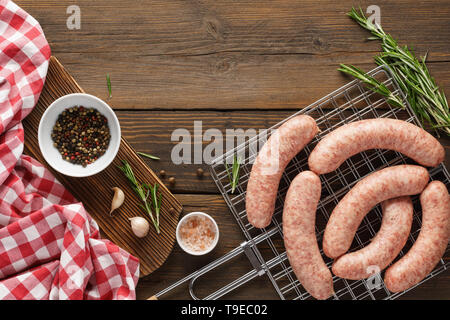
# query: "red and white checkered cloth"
{"type": "Point", "coordinates": [49, 245]}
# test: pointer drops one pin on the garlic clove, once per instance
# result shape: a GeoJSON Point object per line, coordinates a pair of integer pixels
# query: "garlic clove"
{"type": "Point", "coordinates": [118, 199]}
{"type": "Point", "coordinates": [140, 226]}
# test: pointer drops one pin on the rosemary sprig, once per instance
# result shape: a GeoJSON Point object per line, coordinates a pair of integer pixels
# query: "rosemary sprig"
{"type": "Point", "coordinates": [373, 84]}
{"type": "Point", "coordinates": [426, 99]}
{"type": "Point", "coordinates": [144, 191]}
{"type": "Point", "coordinates": [234, 175]}
{"type": "Point", "coordinates": [148, 156]}
{"type": "Point", "coordinates": [108, 83]}
{"type": "Point", "coordinates": [156, 200]}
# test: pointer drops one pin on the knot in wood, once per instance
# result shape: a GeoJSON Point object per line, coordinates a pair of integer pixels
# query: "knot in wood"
{"type": "Point", "coordinates": [213, 28]}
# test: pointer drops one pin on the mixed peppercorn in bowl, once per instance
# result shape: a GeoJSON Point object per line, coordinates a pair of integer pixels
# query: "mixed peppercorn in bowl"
{"type": "Point", "coordinates": [79, 135]}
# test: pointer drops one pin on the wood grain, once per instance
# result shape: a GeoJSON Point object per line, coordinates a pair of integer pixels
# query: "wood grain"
{"type": "Point", "coordinates": [95, 191]}
{"type": "Point", "coordinates": [151, 132]}
{"type": "Point", "coordinates": [177, 54]}
{"type": "Point", "coordinates": [218, 58]}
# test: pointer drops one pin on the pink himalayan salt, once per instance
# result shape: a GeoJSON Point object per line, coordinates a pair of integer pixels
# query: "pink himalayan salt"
{"type": "Point", "coordinates": [197, 233]}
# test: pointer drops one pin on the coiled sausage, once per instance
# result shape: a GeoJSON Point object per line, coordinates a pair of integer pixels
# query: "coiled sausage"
{"type": "Point", "coordinates": [384, 247]}
{"type": "Point", "coordinates": [380, 133]}
{"type": "Point", "coordinates": [391, 182]}
{"type": "Point", "coordinates": [299, 216]}
{"type": "Point", "coordinates": [274, 156]}
{"type": "Point", "coordinates": [431, 243]}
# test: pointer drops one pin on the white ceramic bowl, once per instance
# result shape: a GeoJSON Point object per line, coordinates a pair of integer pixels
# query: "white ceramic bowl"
{"type": "Point", "coordinates": [52, 155]}
{"type": "Point", "coordinates": [180, 242]}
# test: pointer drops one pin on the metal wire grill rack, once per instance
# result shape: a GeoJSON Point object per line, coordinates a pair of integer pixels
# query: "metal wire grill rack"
{"type": "Point", "coordinates": [349, 103]}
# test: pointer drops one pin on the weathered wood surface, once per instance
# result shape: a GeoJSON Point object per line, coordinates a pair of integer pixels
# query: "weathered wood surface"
{"type": "Point", "coordinates": [168, 54]}
{"type": "Point", "coordinates": [151, 132]}
{"type": "Point", "coordinates": [232, 64]}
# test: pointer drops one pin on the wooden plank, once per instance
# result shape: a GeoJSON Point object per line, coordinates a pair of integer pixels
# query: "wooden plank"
{"type": "Point", "coordinates": [151, 132]}
{"type": "Point", "coordinates": [169, 54]}
{"type": "Point", "coordinates": [180, 264]}
{"type": "Point", "coordinates": [95, 191]}
{"type": "Point", "coordinates": [174, 54]}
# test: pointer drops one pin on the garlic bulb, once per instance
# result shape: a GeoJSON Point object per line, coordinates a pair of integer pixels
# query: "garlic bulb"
{"type": "Point", "coordinates": [118, 199]}
{"type": "Point", "coordinates": [140, 226]}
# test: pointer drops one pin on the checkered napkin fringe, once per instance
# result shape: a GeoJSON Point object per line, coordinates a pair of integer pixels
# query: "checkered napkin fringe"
{"type": "Point", "coordinates": [49, 245]}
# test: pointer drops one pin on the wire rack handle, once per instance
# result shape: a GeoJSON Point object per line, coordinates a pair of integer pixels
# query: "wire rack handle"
{"type": "Point", "coordinates": [246, 248]}
{"type": "Point", "coordinates": [257, 271]}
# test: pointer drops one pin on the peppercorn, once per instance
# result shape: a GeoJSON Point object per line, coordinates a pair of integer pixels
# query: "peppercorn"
{"type": "Point", "coordinates": [162, 173]}
{"type": "Point", "coordinates": [172, 181]}
{"type": "Point", "coordinates": [200, 172]}
{"type": "Point", "coordinates": [81, 135]}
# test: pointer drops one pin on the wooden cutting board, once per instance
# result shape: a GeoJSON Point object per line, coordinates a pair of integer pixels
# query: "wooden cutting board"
{"type": "Point", "coordinates": [95, 192]}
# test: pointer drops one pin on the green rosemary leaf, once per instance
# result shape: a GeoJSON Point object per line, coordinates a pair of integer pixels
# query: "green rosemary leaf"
{"type": "Point", "coordinates": [148, 156]}
{"type": "Point", "coordinates": [143, 191]}
{"type": "Point", "coordinates": [412, 75]}
{"type": "Point", "coordinates": [373, 84]}
{"type": "Point", "coordinates": [234, 175]}
{"type": "Point", "coordinates": [108, 83]}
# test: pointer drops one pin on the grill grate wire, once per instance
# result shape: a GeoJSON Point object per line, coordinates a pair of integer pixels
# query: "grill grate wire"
{"type": "Point", "coordinates": [349, 103]}
{"type": "Point", "coordinates": [264, 247]}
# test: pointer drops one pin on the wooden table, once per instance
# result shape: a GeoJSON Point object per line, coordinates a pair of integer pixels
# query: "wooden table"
{"type": "Point", "coordinates": [231, 64]}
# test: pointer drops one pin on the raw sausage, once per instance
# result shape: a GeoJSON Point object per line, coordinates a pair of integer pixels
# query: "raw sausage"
{"type": "Point", "coordinates": [274, 156]}
{"type": "Point", "coordinates": [391, 182]}
{"type": "Point", "coordinates": [384, 247]}
{"type": "Point", "coordinates": [381, 133]}
{"type": "Point", "coordinates": [431, 243]}
{"type": "Point", "coordinates": [299, 217]}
